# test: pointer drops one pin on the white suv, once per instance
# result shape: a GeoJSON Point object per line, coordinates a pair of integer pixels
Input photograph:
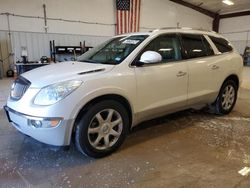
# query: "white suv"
{"type": "Point", "coordinates": [130, 78]}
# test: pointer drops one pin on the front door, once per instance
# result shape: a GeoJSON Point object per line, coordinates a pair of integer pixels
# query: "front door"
{"type": "Point", "coordinates": [162, 87]}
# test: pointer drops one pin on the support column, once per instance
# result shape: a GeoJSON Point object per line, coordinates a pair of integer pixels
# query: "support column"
{"type": "Point", "coordinates": [216, 23]}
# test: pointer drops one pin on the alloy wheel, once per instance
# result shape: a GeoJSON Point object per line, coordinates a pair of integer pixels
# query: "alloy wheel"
{"type": "Point", "coordinates": [105, 129]}
{"type": "Point", "coordinates": [228, 97]}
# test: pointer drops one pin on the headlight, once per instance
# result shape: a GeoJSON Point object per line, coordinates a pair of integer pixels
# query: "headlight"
{"type": "Point", "coordinates": [56, 92]}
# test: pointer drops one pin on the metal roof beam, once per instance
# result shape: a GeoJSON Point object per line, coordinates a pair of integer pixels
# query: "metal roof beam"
{"type": "Point", "coordinates": [236, 14]}
{"type": "Point", "coordinates": [197, 8]}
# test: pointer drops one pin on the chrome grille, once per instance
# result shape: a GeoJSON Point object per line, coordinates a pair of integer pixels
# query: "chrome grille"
{"type": "Point", "coordinates": [19, 87]}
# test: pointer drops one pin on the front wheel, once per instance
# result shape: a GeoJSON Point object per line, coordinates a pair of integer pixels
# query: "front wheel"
{"type": "Point", "coordinates": [226, 98]}
{"type": "Point", "coordinates": [102, 129]}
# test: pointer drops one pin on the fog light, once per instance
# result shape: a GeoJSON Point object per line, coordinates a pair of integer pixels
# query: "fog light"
{"type": "Point", "coordinates": [36, 123]}
{"type": "Point", "coordinates": [44, 123]}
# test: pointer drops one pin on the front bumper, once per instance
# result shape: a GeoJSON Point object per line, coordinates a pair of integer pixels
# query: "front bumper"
{"type": "Point", "coordinates": [57, 136]}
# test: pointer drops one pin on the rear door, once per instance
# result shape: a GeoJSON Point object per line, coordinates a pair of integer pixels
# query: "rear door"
{"type": "Point", "coordinates": [202, 67]}
{"type": "Point", "coordinates": [225, 64]}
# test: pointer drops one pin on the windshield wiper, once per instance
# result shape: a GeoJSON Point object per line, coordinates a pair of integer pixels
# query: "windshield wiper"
{"type": "Point", "coordinates": [109, 63]}
{"type": "Point", "coordinates": [89, 61]}
{"type": "Point", "coordinates": [93, 61]}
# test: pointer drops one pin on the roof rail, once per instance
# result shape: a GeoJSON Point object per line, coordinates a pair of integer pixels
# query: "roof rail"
{"type": "Point", "coordinates": [186, 28]}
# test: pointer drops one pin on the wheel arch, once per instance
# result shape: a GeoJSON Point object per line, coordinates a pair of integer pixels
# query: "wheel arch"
{"type": "Point", "coordinates": [216, 106]}
{"type": "Point", "coordinates": [115, 97]}
{"type": "Point", "coordinates": [233, 77]}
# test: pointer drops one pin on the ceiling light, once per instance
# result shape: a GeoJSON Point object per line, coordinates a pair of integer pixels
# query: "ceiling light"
{"type": "Point", "coordinates": [228, 2]}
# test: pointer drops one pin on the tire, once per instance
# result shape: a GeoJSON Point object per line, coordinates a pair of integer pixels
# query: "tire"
{"type": "Point", "coordinates": [227, 98]}
{"type": "Point", "coordinates": [102, 129]}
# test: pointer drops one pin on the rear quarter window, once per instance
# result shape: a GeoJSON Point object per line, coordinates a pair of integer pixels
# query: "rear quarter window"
{"type": "Point", "coordinates": [195, 46]}
{"type": "Point", "coordinates": [222, 44]}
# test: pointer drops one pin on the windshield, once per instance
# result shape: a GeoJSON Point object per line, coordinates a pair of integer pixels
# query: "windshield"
{"type": "Point", "coordinates": [113, 51]}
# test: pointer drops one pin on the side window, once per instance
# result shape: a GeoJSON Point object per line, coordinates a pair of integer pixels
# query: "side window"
{"type": "Point", "coordinates": [166, 45]}
{"type": "Point", "coordinates": [221, 44]}
{"type": "Point", "coordinates": [196, 46]}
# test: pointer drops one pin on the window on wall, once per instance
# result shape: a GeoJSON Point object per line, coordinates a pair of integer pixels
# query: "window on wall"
{"type": "Point", "coordinates": [221, 44]}
{"type": "Point", "coordinates": [196, 46]}
{"type": "Point", "coordinates": [166, 45]}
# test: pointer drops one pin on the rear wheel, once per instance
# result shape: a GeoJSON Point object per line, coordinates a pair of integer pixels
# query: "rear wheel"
{"type": "Point", "coordinates": [226, 98]}
{"type": "Point", "coordinates": [102, 129]}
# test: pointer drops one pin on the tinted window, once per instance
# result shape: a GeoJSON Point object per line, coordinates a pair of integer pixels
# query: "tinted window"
{"type": "Point", "coordinates": [195, 46]}
{"type": "Point", "coordinates": [221, 44]}
{"type": "Point", "coordinates": [166, 45]}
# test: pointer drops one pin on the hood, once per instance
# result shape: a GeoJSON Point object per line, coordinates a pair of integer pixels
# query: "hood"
{"type": "Point", "coordinates": [59, 72]}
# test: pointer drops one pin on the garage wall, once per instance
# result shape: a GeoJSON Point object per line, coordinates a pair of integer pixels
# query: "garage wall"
{"type": "Point", "coordinates": [237, 30]}
{"type": "Point", "coordinates": [65, 26]}
{"type": "Point", "coordinates": [38, 43]}
{"type": "Point", "coordinates": [95, 17]}
{"type": "Point", "coordinates": [5, 50]}
{"type": "Point", "coordinates": [84, 20]}
{"type": "Point", "coordinates": [163, 13]}
{"type": "Point", "coordinates": [94, 11]}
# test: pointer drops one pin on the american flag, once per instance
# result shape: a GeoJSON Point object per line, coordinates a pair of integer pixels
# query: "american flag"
{"type": "Point", "coordinates": [127, 16]}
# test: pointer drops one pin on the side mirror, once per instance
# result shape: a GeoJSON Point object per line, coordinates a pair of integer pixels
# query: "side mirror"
{"type": "Point", "coordinates": [150, 57]}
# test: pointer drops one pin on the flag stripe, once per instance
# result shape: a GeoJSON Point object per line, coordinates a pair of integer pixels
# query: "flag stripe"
{"type": "Point", "coordinates": [125, 21]}
{"type": "Point", "coordinates": [121, 22]}
{"type": "Point", "coordinates": [135, 16]}
{"type": "Point", "coordinates": [138, 17]}
{"type": "Point", "coordinates": [132, 14]}
{"type": "Point", "coordinates": [117, 24]}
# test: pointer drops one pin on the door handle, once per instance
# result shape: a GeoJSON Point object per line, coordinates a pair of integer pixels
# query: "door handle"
{"type": "Point", "coordinates": [181, 73]}
{"type": "Point", "coordinates": [214, 67]}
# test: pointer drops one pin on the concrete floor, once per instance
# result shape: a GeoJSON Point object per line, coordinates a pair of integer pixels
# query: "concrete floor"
{"type": "Point", "coordinates": [185, 149]}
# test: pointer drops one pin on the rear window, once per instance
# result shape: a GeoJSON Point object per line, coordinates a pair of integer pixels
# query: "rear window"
{"type": "Point", "coordinates": [221, 44]}
{"type": "Point", "coordinates": [196, 46]}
